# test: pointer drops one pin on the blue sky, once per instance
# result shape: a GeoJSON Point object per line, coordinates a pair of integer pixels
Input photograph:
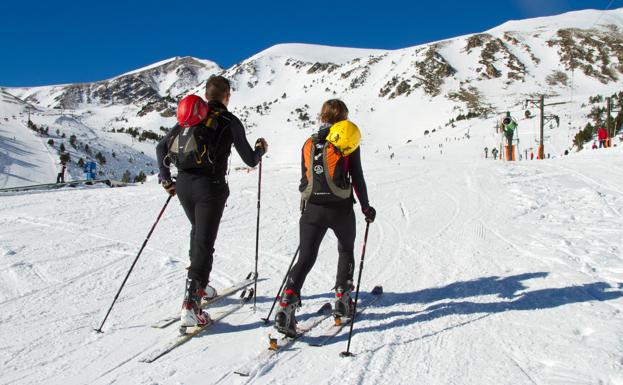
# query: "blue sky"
{"type": "Point", "coordinates": [53, 42]}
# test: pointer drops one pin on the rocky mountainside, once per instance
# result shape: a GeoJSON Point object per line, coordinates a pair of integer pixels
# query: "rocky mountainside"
{"type": "Point", "coordinates": [154, 88]}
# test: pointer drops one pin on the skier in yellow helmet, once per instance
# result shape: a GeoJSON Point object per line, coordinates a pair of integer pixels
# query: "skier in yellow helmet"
{"type": "Point", "coordinates": [331, 169]}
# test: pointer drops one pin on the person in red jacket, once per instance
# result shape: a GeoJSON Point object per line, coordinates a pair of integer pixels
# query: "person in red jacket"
{"type": "Point", "coordinates": [602, 135]}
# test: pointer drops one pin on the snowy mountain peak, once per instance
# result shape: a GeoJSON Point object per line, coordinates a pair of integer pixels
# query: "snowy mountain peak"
{"type": "Point", "coordinates": [584, 19]}
{"type": "Point", "coordinates": [314, 53]}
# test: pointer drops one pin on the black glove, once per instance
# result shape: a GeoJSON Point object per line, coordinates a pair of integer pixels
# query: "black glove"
{"type": "Point", "coordinates": [370, 214]}
{"type": "Point", "coordinates": [262, 145]}
{"type": "Point", "coordinates": [169, 186]}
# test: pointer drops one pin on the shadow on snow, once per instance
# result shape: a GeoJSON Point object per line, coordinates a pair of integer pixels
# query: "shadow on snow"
{"type": "Point", "coordinates": [445, 301]}
{"type": "Point", "coordinates": [506, 288]}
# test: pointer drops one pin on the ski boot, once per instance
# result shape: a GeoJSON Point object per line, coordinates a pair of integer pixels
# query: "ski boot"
{"type": "Point", "coordinates": [344, 305]}
{"type": "Point", "coordinates": [285, 321]}
{"type": "Point", "coordinates": [208, 293]}
{"type": "Point", "coordinates": [192, 314]}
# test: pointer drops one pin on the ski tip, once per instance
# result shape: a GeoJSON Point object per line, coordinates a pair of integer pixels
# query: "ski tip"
{"type": "Point", "coordinates": [346, 354]}
{"type": "Point", "coordinates": [377, 290]}
{"type": "Point", "coordinates": [251, 275]}
{"type": "Point", "coordinates": [243, 374]}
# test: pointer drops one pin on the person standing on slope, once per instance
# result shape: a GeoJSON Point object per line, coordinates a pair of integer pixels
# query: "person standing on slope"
{"type": "Point", "coordinates": [331, 168]}
{"type": "Point", "coordinates": [201, 185]}
{"type": "Point", "coordinates": [60, 177]}
{"type": "Point", "coordinates": [602, 135]}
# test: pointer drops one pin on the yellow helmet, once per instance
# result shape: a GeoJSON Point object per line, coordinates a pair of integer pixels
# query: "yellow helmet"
{"type": "Point", "coordinates": [344, 135]}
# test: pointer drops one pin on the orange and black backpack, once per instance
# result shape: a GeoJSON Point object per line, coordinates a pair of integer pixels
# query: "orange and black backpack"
{"type": "Point", "coordinates": [326, 178]}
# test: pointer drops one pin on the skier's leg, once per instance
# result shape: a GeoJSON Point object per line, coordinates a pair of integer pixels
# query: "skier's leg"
{"type": "Point", "coordinates": [312, 230]}
{"type": "Point", "coordinates": [311, 233]}
{"type": "Point", "coordinates": [191, 313]}
{"type": "Point", "coordinates": [207, 220]}
{"type": "Point", "coordinates": [345, 230]}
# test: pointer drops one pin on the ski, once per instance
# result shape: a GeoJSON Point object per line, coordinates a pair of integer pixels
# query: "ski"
{"type": "Point", "coordinates": [245, 297]}
{"type": "Point", "coordinates": [277, 344]}
{"type": "Point", "coordinates": [327, 334]}
{"type": "Point", "coordinates": [233, 289]}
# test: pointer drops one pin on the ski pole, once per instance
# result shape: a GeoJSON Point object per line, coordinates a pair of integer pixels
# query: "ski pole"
{"type": "Point", "coordinates": [257, 231]}
{"type": "Point", "coordinates": [267, 319]}
{"type": "Point", "coordinates": [347, 353]}
{"type": "Point", "coordinates": [134, 263]}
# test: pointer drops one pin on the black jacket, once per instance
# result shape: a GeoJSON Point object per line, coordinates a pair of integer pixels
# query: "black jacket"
{"type": "Point", "coordinates": [232, 133]}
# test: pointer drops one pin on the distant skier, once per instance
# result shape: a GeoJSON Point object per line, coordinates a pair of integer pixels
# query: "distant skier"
{"type": "Point", "coordinates": [486, 152]}
{"type": "Point", "coordinates": [200, 145]}
{"type": "Point", "coordinates": [327, 203]}
{"type": "Point", "coordinates": [602, 135]}
{"type": "Point", "coordinates": [494, 152]}
{"type": "Point", "coordinates": [60, 178]}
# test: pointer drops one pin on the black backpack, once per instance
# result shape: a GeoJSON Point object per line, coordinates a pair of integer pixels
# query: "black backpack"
{"type": "Point", "coordinates": [195, 147]}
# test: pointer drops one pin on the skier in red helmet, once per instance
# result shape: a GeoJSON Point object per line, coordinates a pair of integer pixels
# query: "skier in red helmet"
{"type": "Point", "coordinates": [199, 146]}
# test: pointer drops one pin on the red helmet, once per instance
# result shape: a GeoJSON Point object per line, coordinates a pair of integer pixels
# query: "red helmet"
{"type": "Point", "coordinates": [191, 111]}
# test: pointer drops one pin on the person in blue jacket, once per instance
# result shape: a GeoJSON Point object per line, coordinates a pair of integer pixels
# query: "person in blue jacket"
{"type": "Point", "coordinates": [89, 170]}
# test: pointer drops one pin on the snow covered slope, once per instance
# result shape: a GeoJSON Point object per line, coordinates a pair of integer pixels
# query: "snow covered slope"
{"type": "Point", "coordinates": [24, 157]}
{"type": "Point", "coordinates": [494, 273]}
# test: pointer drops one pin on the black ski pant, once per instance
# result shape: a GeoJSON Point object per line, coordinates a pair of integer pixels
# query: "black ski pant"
{"type": "Point", "coordinates": [203, 199]}
{"type": "Point", "coordinates": [313, 226]}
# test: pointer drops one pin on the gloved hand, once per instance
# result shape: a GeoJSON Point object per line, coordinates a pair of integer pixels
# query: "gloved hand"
{"type": "Point", "coordinates": [370, 214]}
{"type": "Point", "coordinates": [169, 186]}
{"type": "Point", "coordinates": [262, 145]}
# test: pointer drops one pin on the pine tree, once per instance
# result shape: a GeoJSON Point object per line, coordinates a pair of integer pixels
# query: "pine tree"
{"type": "Point", "coordinates": [126, 177]}
{"type": "Point", "coordinates": [100, 158]}
{"type": "Point", "coordinates": [141, 177]}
